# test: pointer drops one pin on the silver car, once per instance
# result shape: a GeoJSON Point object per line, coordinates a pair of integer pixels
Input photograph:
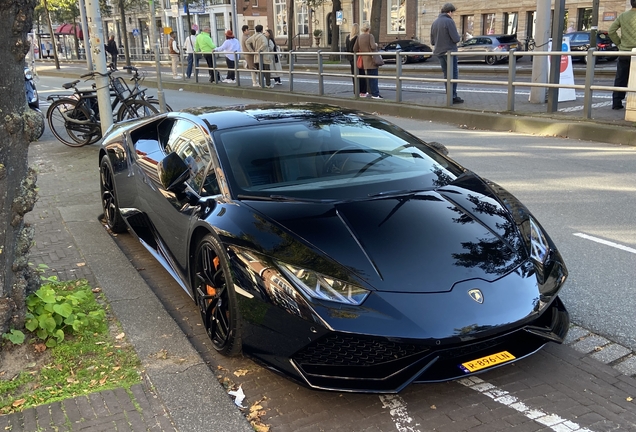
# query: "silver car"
{"type": "Point", "coordinates": [490, 48]}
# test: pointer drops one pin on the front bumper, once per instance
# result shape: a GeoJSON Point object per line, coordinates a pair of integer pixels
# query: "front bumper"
{"type": "Point", "coordinates": [349, 362]}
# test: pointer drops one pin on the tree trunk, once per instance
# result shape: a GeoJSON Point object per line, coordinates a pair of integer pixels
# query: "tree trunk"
{"type": "Point", "coordinates": [376, 16]}
{"type": "Point", "coordinates": [50, 24]}
{"type": "Point", "coordinates": [290, 25]}
{"type": "Point", "coordinates": [335, 35]}
{"type": "Point", "coordinates": [17, 181]}
{"type": "Point", "coordinates": [122, 14]}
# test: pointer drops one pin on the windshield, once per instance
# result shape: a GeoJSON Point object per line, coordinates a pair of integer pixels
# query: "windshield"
{"type": "Point", "coordinates": [345, 158]}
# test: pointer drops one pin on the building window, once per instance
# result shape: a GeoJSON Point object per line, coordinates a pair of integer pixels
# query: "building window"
{"type": "Point", "coordinates": [488, 23]}
{"type": "Point", "coordinates": [302, 18]}
{"type": "Point", "coordinates": [511, 22]}
{"type": "Point", "coordinates": [365, 11]}
{"type": "Point", "coordinates": [397, 16]}
{"type": "Point", "coordinates": [219, 21]}
{"type": "Point", "coordinates": [585, 19]}
{"type": "Point", "coordinates": [468, 25]}
{"type": "Point", "coordinates": [254, 3]}
{"type": "Point", "coordinates": [280, 18]}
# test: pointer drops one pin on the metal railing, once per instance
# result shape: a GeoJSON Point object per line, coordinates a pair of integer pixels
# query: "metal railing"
{"type": "Point", "coordinates": [294, 58]}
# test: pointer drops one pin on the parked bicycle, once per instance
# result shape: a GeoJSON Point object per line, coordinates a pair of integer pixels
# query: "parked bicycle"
{"type": "Point", "coordinates": [75, 120]}
{"type": "Point", "coordinates": [137, 78]}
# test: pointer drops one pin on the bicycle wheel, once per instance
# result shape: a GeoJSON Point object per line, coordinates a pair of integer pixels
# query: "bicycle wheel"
{"type": "Point", "coordinates": [134, 109]}
{"type": "Point", "coordinates": [60, 116]}
{"type": "Point", "coordinates": [155, 102]}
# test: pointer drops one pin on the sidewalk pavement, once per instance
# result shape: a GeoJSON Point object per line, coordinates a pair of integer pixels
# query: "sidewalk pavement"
{"type": "Point", "coordinates": [179, 391]}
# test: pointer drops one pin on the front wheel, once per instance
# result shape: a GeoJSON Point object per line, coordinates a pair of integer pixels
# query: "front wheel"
{"type": "Point", "coordinates": [491, 60]}
{"type": "Point", "coordinates": [68, 121]}
{"type": "Point", "coordinates": [135, 109]}
{"type": "Point", "coordinates": [213, 288]}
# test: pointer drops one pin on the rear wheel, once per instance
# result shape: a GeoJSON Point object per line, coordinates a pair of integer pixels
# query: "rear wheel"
{"type": "Point", "coordinates": [214, 293]}
{"type": "Point", "coordinates": [112, 215]}
{"type": "Point", "coordinates": [135, 109]}
{"type": "Point", "coordinates": [60, 116]}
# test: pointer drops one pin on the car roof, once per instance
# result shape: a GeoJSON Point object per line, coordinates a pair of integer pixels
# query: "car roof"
{"type": "Point", "coordinates": [218, 118]}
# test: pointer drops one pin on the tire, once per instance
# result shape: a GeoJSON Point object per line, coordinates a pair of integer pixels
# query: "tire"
{"type": "Point", "coordinates": [211, 277]}
{"type": "Point", "coordinates": [404, 59]}
{"type": "Point", "coordinates": [40, 126]}
{"type": "Point", "coordinates": [112, 215]}
{"type": "Point", "coordinates": [135, 109]}
{"type": "Point", "coordinates": [73, 135]}
{"type": "Point", "coordinates": [491, 60]}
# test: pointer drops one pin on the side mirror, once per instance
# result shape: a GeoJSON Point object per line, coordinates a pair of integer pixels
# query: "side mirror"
{"type": "Point", "coordinates": [173, 172]}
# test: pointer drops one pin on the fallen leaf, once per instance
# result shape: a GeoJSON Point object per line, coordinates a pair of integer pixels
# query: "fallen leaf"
{"type": "Point", "coordinates": [18, 402]}
{"type": "Point", "coordinates": [97, 290]}
{"type": "Point", "coordinates": [80, 264]}
{"type": "Point", "coordinates": [71, 380]}
{"type": "Point", "coordinates": [629, 399]}
{"type": "Point", "coordinates": [39, 347]}
{"type": "Point", "coordinates": [220, 367]}
{"type": "Point", "coordinates": [100, 343]}
{"type": "Point", "coordinates": [256, 407]}
{"type": "Point", "coordinates": [30, 365]}
{"type": "Point", "coordinates": [120, 336]}
{"type": "Point", "coordinates": [240, 372]}
{"type": "Point", "coordinates": [103, 380]}
{"type": "Point", "coordinates": [116, 368]}
{"type": "Point", "coordinates": [433, 407]}
{"type": "Point", "coordinates": [260, 427]}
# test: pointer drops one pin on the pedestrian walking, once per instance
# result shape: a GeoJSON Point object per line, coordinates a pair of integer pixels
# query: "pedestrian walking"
{"type": "Point", "coordinates": [350, 42]}
{"type": "Point", "coordinates": [249, 58]}
{"type": "Point", "coordinates": [444, 37]}
{"type": "Point", "coordinates": [277, 67]}
{"type": "Point", "coordinates": [205, 46]}
{"type": "Point", "coordinates": [173, 49]}
{"type": "Point", "coordinates": [366, 43]}
{"type": "Point", "coordinates": [230, 47]}
{"type": "Point", "coordinates": [111, 48]}
{"type": "Point", "coordinates": [189, 50]}
{"type": "Point", "coordinates": [258, 43]}
{"type": "Point", "coordinates": [626, 22]}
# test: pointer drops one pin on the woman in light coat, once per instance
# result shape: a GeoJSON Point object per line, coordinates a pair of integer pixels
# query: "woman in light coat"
{"type": "Point", "coordinates": [366, 43]}
{"type": "Point", "coordinates": [351, 41]}
{"type": "Point", "coordinates": [277, 67]}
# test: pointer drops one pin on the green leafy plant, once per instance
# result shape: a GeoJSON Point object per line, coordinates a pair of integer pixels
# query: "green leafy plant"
{"type": "Point", "coordinates": [57, 309]}
{"type": "Point", "coordinates": [317, 33]}
{"type": "Point", "coordinates": [15, 336]}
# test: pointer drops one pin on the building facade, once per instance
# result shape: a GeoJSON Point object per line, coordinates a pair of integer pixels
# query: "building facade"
{"type": "Point", "coordinates": [400, 19]}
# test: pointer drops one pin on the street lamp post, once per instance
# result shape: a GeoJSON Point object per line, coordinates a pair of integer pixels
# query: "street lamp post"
{"type": "Point", "coordinates": [153, 32]}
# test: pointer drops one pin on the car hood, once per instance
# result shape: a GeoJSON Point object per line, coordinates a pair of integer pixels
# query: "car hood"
{"type": "Point", "coordinates": [418, 243]}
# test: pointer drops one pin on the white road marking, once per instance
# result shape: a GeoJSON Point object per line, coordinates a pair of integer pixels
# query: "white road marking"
{"type": "Point", "coordinates": [606, 243]}
{"type": "Point", "coordinates": [397, 408]}
{"type": "Point", "coordinates": [552, 421]}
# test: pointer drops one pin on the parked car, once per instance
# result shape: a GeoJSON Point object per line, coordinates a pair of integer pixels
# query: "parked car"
{"type": "Point", "coordinates": [490, 48]}
{"type": "Point", "coordinates": [334, 246]}
{"type": "Point", "coordinates": [580, 41]}
{"type": "Point", "coordinates": [407, 45]}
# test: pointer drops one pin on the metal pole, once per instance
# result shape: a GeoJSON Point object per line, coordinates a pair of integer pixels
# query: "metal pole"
{"type": "Point", "coordinates": [555, 60]}
{"type": "Point", "coordinates": [153, 34]}
{"type": "Point", "coordinates": [99, 60]}
{"type": "Point", "coordinates": [594, 27]}
{"type": "Point", "coordinates": [89, 60]}
{"type": "Point", "coordinates": [540, 63]}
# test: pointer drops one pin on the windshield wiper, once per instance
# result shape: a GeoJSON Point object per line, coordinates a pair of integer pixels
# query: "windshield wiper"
{"type": "Point", "coordinates": [397, 193]}
{"type": "Point", "coordinates": [284, 198]}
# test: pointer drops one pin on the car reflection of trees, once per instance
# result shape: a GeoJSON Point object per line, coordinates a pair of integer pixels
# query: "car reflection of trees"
{"type": "Point", "coordinates": [492, 255]}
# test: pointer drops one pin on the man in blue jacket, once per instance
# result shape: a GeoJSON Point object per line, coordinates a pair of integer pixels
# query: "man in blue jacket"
{"type": "Point", "coordinates": [445, 38]}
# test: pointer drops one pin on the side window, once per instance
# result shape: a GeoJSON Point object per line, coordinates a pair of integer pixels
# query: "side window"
{"type": "Point", "coordinates": [191, 144]}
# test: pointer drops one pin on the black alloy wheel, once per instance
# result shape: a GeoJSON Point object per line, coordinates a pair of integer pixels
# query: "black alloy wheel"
{"type": "Point", "coordinates": [113, 217]}
{"type": "Point", "coordinates": [491, 60]}
{"type": "Point", "coordinates": [214, 293]}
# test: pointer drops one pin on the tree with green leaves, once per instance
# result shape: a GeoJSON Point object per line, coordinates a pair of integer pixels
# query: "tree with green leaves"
{"type": "Point", "coordinates": [17, 181]}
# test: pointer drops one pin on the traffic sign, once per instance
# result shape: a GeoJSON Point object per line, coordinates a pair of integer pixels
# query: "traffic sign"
{"type": "Point", "coordinates": [135, 32]}
{"type": "Point", "coordinates": [339, 17]}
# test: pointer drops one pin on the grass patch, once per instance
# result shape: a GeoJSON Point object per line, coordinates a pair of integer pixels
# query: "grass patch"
{"type": "Point", "coordinates": [94, 358]}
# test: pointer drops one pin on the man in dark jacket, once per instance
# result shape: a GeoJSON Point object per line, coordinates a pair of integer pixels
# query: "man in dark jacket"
{"type": "Point", "coordinates": [445, 37]}
{"type": "Point", "coordinates": [111, 48]}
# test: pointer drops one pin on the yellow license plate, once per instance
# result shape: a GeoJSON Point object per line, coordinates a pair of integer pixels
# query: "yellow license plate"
{"type": "Point", "coordinates": [486, 362]}
{"type": "Point", "coordinates": [513, 46]}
